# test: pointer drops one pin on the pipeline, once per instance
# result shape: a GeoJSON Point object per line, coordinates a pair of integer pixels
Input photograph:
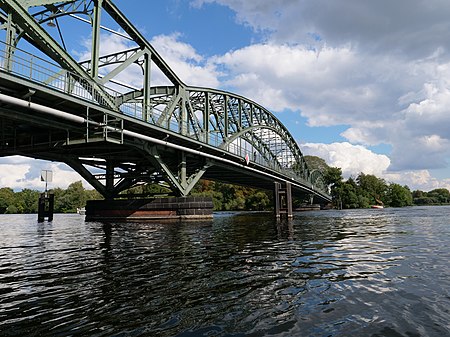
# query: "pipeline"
{"type": "Point", "coordinates": [81, 120]}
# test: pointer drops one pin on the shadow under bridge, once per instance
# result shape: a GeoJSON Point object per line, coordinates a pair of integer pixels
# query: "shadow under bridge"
{"type": "Point", "coordinates": [117, 136]}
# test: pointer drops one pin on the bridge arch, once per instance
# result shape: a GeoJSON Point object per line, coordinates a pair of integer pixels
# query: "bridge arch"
{"type": "Point", "coordinates": [224, 120]}
{"type": "Point", "coordinates": [226, 126]}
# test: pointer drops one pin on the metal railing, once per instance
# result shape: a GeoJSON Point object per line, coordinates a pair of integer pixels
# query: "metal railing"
{"type": "Point", "coordinates": [33, 68]}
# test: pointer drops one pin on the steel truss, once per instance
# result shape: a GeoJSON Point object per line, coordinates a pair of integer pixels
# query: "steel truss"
{"type": "Point", "coordinates": [198, 119]}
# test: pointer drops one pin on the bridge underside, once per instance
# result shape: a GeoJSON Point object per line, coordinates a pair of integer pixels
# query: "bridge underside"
{"type": "Point", "coordinates": [118, 133]}
{"type": "Point", "coordinates": [110, 159]}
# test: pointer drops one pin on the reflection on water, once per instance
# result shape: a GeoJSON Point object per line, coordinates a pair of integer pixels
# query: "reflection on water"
{"type": "Point", "coordinates": [328, 273]}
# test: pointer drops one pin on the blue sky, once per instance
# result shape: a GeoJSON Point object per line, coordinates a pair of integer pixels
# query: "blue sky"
{"type": "Point", "coordinates": [363, 84]}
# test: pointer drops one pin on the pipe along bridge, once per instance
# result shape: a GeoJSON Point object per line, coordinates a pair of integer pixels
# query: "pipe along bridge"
{"type": "Point", "coordinates": [153, 129]}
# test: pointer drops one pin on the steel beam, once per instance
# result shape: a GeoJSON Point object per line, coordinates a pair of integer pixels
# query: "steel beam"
{"type": "Point", "coordinates": [43, 41]}
{"type": "Point", "coordinates": [34, 3]}
{"type": "Point", "coordinates": [95, 49]}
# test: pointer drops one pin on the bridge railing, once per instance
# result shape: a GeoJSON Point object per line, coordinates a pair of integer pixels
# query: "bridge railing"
{"type": "Point", "coordinates": [36, 69]}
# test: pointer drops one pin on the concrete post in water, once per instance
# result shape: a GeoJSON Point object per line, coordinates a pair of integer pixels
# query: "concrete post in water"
{"type": "Point", "coordinates": [283, 200]}
{"type": "Point", "coordinates": [289, 200]}
{"type": "Point", "coordinates": [276, 199]}
{"type": "Point", "coordinates": [46, 206]}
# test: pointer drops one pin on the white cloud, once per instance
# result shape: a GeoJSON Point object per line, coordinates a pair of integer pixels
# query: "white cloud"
{"type": "Point", "coordinates": [191, 67]}
{"type": "Point", "coordinates": [382, 68]}
{"type": "Point", "coordinates": [21, 172]}
{"type": "Point", "coordinates": [354, 159]}
{"type": "Point", "coordinates": [295, 77]}
{"type": "Point", "coordinates": [410, 29]}
{"type": "Point", "coordinates": [417, 180]}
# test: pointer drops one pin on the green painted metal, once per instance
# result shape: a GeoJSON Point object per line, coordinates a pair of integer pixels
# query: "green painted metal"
{"type": "Point", "coordinates": [95, 49]}
{"type": "Point", "coordinates": [35, 3]}
{"type": "Point", "coordinates": [197, 117]}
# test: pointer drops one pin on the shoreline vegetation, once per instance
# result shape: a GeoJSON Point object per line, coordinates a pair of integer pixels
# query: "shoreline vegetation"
{"type": "Point", "coordinates": [361, 192]}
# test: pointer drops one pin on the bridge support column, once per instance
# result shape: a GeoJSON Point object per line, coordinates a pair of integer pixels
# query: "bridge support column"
{"type": "Point", "coordinates": [283, 200]}
{"type": "Point", "coordinates": [109, 178]}
{"type": "Point", "coordinates": [182, 169]}
{"type": "Point", "coordinates": [147, 210]}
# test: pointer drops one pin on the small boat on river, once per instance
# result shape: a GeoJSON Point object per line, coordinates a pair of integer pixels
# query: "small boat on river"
{"type": "Point", "coordinates": [379, 204]}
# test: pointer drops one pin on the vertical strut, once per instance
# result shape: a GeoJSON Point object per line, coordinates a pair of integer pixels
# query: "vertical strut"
{"type": "Point", "coordinates": [10, 42]}
{"type": "Point", "coordinates": [95, 53]}
{"type": "Point", "coordinates": [183, 170]}
{"type": "Point", "coordinates": [109, 178]}
{"type": "Point", "coordinates": [146, 101]}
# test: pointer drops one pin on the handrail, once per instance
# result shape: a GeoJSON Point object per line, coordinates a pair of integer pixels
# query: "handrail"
{"type": "Point", "coordinates": [34, 68]}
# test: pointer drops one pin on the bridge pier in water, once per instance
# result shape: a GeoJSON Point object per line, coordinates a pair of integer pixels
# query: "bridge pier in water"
{"type": "Point", "coordinates": [135, 210]}
{"type": "Point", "coordinates": [283, 200]}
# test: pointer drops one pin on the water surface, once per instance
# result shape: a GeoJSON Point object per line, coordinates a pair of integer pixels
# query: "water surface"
{"type": "Point", "coordinates": [328, 273]}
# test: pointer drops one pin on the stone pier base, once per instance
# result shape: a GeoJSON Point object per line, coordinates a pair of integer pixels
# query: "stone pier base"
{"type": "Point", "coordinates": [137, 210]}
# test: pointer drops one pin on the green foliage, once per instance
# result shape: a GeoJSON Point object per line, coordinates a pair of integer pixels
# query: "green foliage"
{"type": "Point", "coordinates": [228, 197]}
{"type": "Point", "coordinates": [399, 196]}
{"type": "Point", "coordinates": [26, 201]}
{"type": "Point", "coordinates": [6, 199]}
{"type": "Point", "coordinates": [75, 196]}
{"type": "Point", "coordinates": [373, 188]}
{"type": "Point", "coordinates": [148, 190]}
{"type": "Point", "coordinates": [333, 176]}
{"type": "Point", "coordinates": [437, 196]}
{"type": "Point", "coordinates": [367, 190]}
{"type": "Point", "coordinates": [316, 163]}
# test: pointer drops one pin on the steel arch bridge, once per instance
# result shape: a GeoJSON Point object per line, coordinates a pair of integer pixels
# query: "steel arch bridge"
{"type": "Point", "coordinates": [118, 134]}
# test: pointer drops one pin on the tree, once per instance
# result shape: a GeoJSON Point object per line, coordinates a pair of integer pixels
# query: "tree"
{"type": "Point", "coordinates": [75, 196]}
{"type": "Point", "coordinates": [399, 196]}
{"type": "Point", "coordinates": [349, 196]}
{"type": "Point", "coordinates": [6, 199]}
{"type": "Point", "coordinates": [333, 178]}
{"type": "Point", "coordinates": [257, 201]}
{"type": "Point", "coordinates": [316, 163]}
{"type": "Point", "coordinates": [442, 195]}
{"type": "Point", "coordinates": [26, 201]}
{"type": "Point", "coordinates": [372, 187]}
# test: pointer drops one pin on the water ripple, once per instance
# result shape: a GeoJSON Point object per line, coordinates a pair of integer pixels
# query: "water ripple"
{"type": "Point", "coordinates": [336, 273]}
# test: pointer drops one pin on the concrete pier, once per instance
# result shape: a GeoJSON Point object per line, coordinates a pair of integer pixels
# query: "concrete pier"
{"type": "Point", "coordinates": [136, 210]}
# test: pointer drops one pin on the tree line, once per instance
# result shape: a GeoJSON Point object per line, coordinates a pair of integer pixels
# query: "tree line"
{"type": "Point", "coordinates": [360, 192]}
{"type": "Point", "coordinates": [366, 190]}
{"type": "Point", "coordinates": [26, 201]}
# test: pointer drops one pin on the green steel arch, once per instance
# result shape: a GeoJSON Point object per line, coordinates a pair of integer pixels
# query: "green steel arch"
{"type": "Point", "coordinates": [224, 124]}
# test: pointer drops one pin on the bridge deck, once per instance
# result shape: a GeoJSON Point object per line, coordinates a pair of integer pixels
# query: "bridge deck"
{"type": "Point", "coordinates": [117, 139]}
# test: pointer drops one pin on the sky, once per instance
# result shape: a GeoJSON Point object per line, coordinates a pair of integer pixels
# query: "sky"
{"type": "Point", "coordinates": [363, 84]}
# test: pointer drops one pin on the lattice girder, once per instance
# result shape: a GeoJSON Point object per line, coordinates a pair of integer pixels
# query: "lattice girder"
{"type": "Point", "coordinates": [221, 120]}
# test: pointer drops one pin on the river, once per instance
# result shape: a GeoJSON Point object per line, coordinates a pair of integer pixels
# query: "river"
{"type": "Point", "coordinates": [325, 273]}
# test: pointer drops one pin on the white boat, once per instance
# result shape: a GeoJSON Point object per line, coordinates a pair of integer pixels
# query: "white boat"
{"type": "Point", "coordinates": [377, 206]}
{"type": "Point", "coordinates": [81, 211]}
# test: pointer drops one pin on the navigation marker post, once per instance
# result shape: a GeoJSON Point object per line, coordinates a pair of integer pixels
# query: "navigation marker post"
{"type": "Point", "coordinates": [46, 200]}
